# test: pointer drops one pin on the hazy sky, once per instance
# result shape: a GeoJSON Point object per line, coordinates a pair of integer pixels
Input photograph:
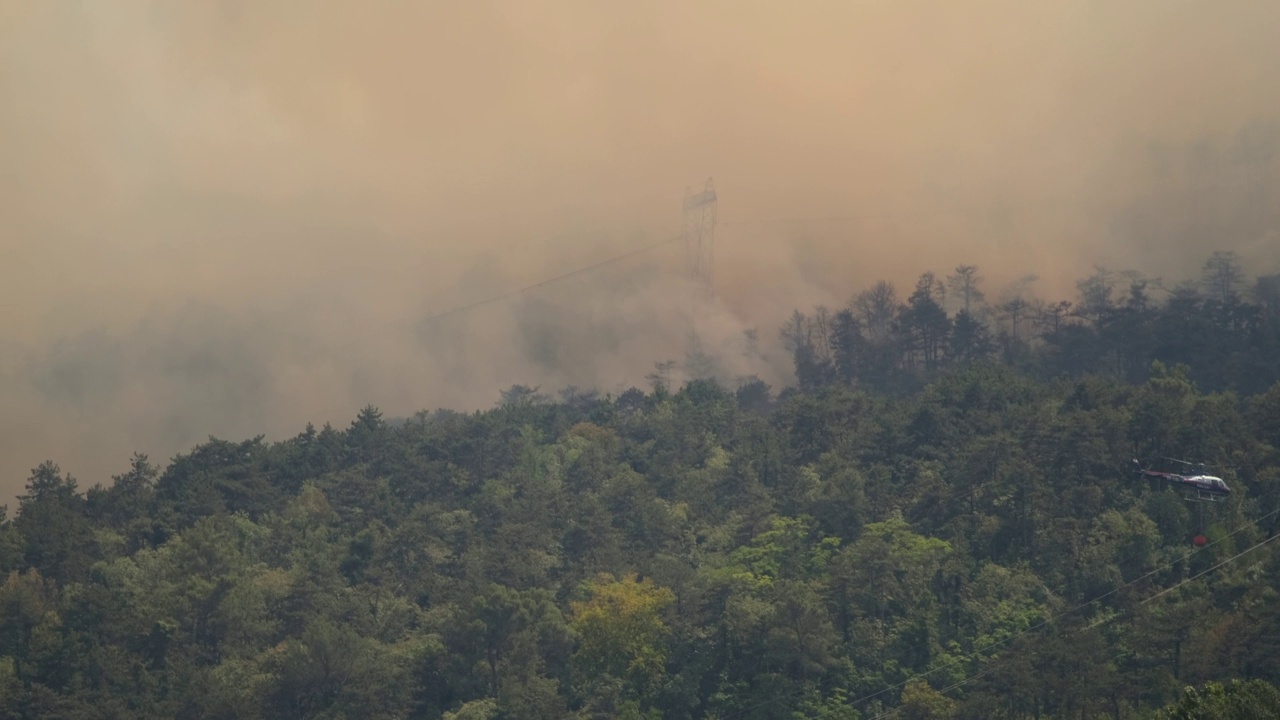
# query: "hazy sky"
{"type": "Point", "coordinates": [231, 217]}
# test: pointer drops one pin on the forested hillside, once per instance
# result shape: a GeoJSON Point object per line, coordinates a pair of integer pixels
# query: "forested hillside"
{"type": "Point", "coordinates": [940, 521]}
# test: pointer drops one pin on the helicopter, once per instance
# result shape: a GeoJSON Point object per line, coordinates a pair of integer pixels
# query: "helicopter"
{"type": "Point", "coordinates": [1206, 488]}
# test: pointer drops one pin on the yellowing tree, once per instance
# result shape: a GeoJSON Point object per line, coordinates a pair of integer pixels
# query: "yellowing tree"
{"type": "Point", "coordinates": [621, 629]}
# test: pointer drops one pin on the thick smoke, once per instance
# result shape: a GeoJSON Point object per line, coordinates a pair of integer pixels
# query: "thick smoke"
{"type": "Point", "coordinates": [231, 217]}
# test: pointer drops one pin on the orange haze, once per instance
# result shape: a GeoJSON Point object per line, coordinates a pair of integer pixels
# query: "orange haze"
{"type": "Point", "coordinates": [231, 217]}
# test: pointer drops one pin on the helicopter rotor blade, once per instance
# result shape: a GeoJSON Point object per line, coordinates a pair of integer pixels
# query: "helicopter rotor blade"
{"type": "Point", "coordinates": [1200, 465]}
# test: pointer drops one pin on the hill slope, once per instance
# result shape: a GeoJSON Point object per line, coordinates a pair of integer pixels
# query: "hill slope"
{"type": "Point", "coordinates": [664, 554]}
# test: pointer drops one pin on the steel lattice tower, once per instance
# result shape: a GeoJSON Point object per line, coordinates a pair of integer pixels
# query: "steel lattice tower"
{"type": "Point", "coordinates": [700, 236]}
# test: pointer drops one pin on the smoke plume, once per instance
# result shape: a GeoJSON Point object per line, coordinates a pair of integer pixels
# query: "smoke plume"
{"type": "Point", "coordinates": [231, 217]}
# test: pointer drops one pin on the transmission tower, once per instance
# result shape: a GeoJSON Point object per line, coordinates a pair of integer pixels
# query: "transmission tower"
{"type": "Point", "coordinates": [700, 236]}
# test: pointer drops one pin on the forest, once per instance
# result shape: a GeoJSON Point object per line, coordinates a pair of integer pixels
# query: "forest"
{"type": "Point", "coordinates": [938, 519]}
{"type": "Point", "coordinates": [1222, 326]}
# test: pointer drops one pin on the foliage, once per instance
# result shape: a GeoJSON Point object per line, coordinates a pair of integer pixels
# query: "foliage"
{"type": "Point", "coordinates": [1226, 337]}
{"type": "Point", "coordinates": [1253, 700]}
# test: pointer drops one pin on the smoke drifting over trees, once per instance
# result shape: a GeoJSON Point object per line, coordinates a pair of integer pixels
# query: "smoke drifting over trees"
{"type": "Point", "coordinates": [235, 217]}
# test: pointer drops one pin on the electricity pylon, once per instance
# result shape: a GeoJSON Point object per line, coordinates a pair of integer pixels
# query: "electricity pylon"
{"type": "Point", "coordinates": [700, 237]}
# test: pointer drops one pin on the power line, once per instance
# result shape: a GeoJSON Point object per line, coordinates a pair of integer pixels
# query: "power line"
{"type": "Point", "coordinates": [647, 248]}
{"type": "Point", "coordinates": [604, 263]}
{"type": "Point", "coordinates": [610, 261]}
{"type": "Point", "coordinates": [638, 251]}
{"type": "Point", "coordinates": [974, 655]}
{"type": "Point", "coordinates": [615, 259]}
{"type": "Point", "coordinates": [1202, 573]}
{"type": "Point", "coordinates": [1165, 591]}
{"type": "Point", "coordinates": [1118, 563]}
{"type": "Point", "coordinates": [816, 218]}
{"type": "Point", "coordinates": [551, 280]}
{"type": "Point", "coordinates": [1060, 615]}
{"type": "Point", "coordinates": [842, 217]}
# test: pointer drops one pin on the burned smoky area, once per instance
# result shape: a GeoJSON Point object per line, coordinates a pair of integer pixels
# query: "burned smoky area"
{"type": "Point", "coordinates": [1220, 187]}
{"type": "Point", "coordinates": [572, 329]}
{"type": "Point", "coordinates": [207, 353]}
{"type": "Point", "coordinates": [80, 369]}
{"type": "Point", "coordinates": [170, 380]}
{"type": "Point", "coordinates": [555, 333]}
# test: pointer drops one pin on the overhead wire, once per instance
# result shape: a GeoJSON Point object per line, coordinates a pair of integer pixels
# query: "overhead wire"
{"type": "Point", "coordinates": [609, 261]}
{"type": "Point", "coordinates": [813, 218]}
{"type": "Point", "coordinates": [551, 280]}
{"type": "Point", "coordinates": [507, 295]}
{"type": "Point", "coordinates": [638, 251]}
{"type": "Point", "coordinates": [1122, 562]}
{"type": "Point", "coordinates": [1202, 573]}
{"type": "Point", "coordinates": [1077, 609]}
{"type": "Point", "coordinates": [1163, 592]}
{"type": "Point", "coordinates": [625, 256]}
{"type": "Point", "coordinates": [976, 653]}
